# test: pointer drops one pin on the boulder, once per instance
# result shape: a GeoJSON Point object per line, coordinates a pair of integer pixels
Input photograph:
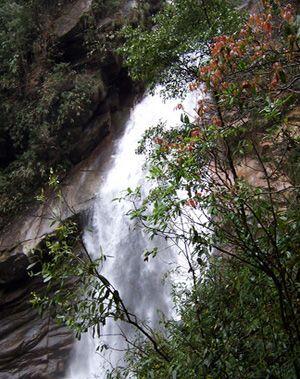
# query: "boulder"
{"type": "Point", "coordinates": [72, 15]}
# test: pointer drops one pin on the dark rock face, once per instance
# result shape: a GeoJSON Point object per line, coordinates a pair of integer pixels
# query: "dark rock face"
{"type": "Point", "coordinates": [12, 267]}
{"type": "Point", "coordinates": [31, 346]}
{"type": "Point", "coordinates": [6, 150]}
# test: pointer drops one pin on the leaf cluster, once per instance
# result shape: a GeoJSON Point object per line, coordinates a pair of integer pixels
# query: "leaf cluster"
{"type": "Point", "coordinates": [169, 53]}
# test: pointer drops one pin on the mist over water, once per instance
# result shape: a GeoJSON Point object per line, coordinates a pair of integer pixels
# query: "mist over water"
{"type": "Point", "coordinates": [139, 283]}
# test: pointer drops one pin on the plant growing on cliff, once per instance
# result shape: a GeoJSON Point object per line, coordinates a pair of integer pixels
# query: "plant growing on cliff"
{"type": "Point", "coordinates": [44, 132]}
{"type": "Point", "coordinates": [44, 99]}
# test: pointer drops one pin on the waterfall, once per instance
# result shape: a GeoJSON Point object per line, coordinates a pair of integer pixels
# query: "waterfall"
{"type": "Point", "coordinates": [139, 283]}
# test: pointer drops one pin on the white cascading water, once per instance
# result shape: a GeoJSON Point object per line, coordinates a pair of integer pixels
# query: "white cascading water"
{"type": "Point", "coordinates": [139, 283]}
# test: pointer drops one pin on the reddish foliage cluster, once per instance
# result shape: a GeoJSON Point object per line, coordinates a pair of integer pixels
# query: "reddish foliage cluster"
{"type": "Point", "coordinates": [255, 44]}
{"type": "Point", "coordinates": [179, 147]}
{"type": "Point", "coordinates": [288, 13]}
{"type": "Point", "coordinates": [192, 203]}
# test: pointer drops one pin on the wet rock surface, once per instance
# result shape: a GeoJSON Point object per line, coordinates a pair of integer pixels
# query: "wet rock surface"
{"type": "Point", "coordinates": [12, 266]}
{"type": "Point", "coordinates": [31, 346]}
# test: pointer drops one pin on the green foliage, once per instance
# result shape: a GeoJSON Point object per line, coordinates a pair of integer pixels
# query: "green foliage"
{"type": "Point", "coordinates": [238, 316]}
{"type": "Point", "coordinates": [77, 295]}
{"type": "Point", "coordinates": [226, 328]}
{"type": "Point", "coordinates": [41, 132]}
{"type": "Point", "coordinates": [170, 52]}
{"type": "Point", "coordinates": [17, 32]}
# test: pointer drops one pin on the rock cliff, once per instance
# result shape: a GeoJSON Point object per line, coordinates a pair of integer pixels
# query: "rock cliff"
{"type": "Point", "coordinates": [32, 346]}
